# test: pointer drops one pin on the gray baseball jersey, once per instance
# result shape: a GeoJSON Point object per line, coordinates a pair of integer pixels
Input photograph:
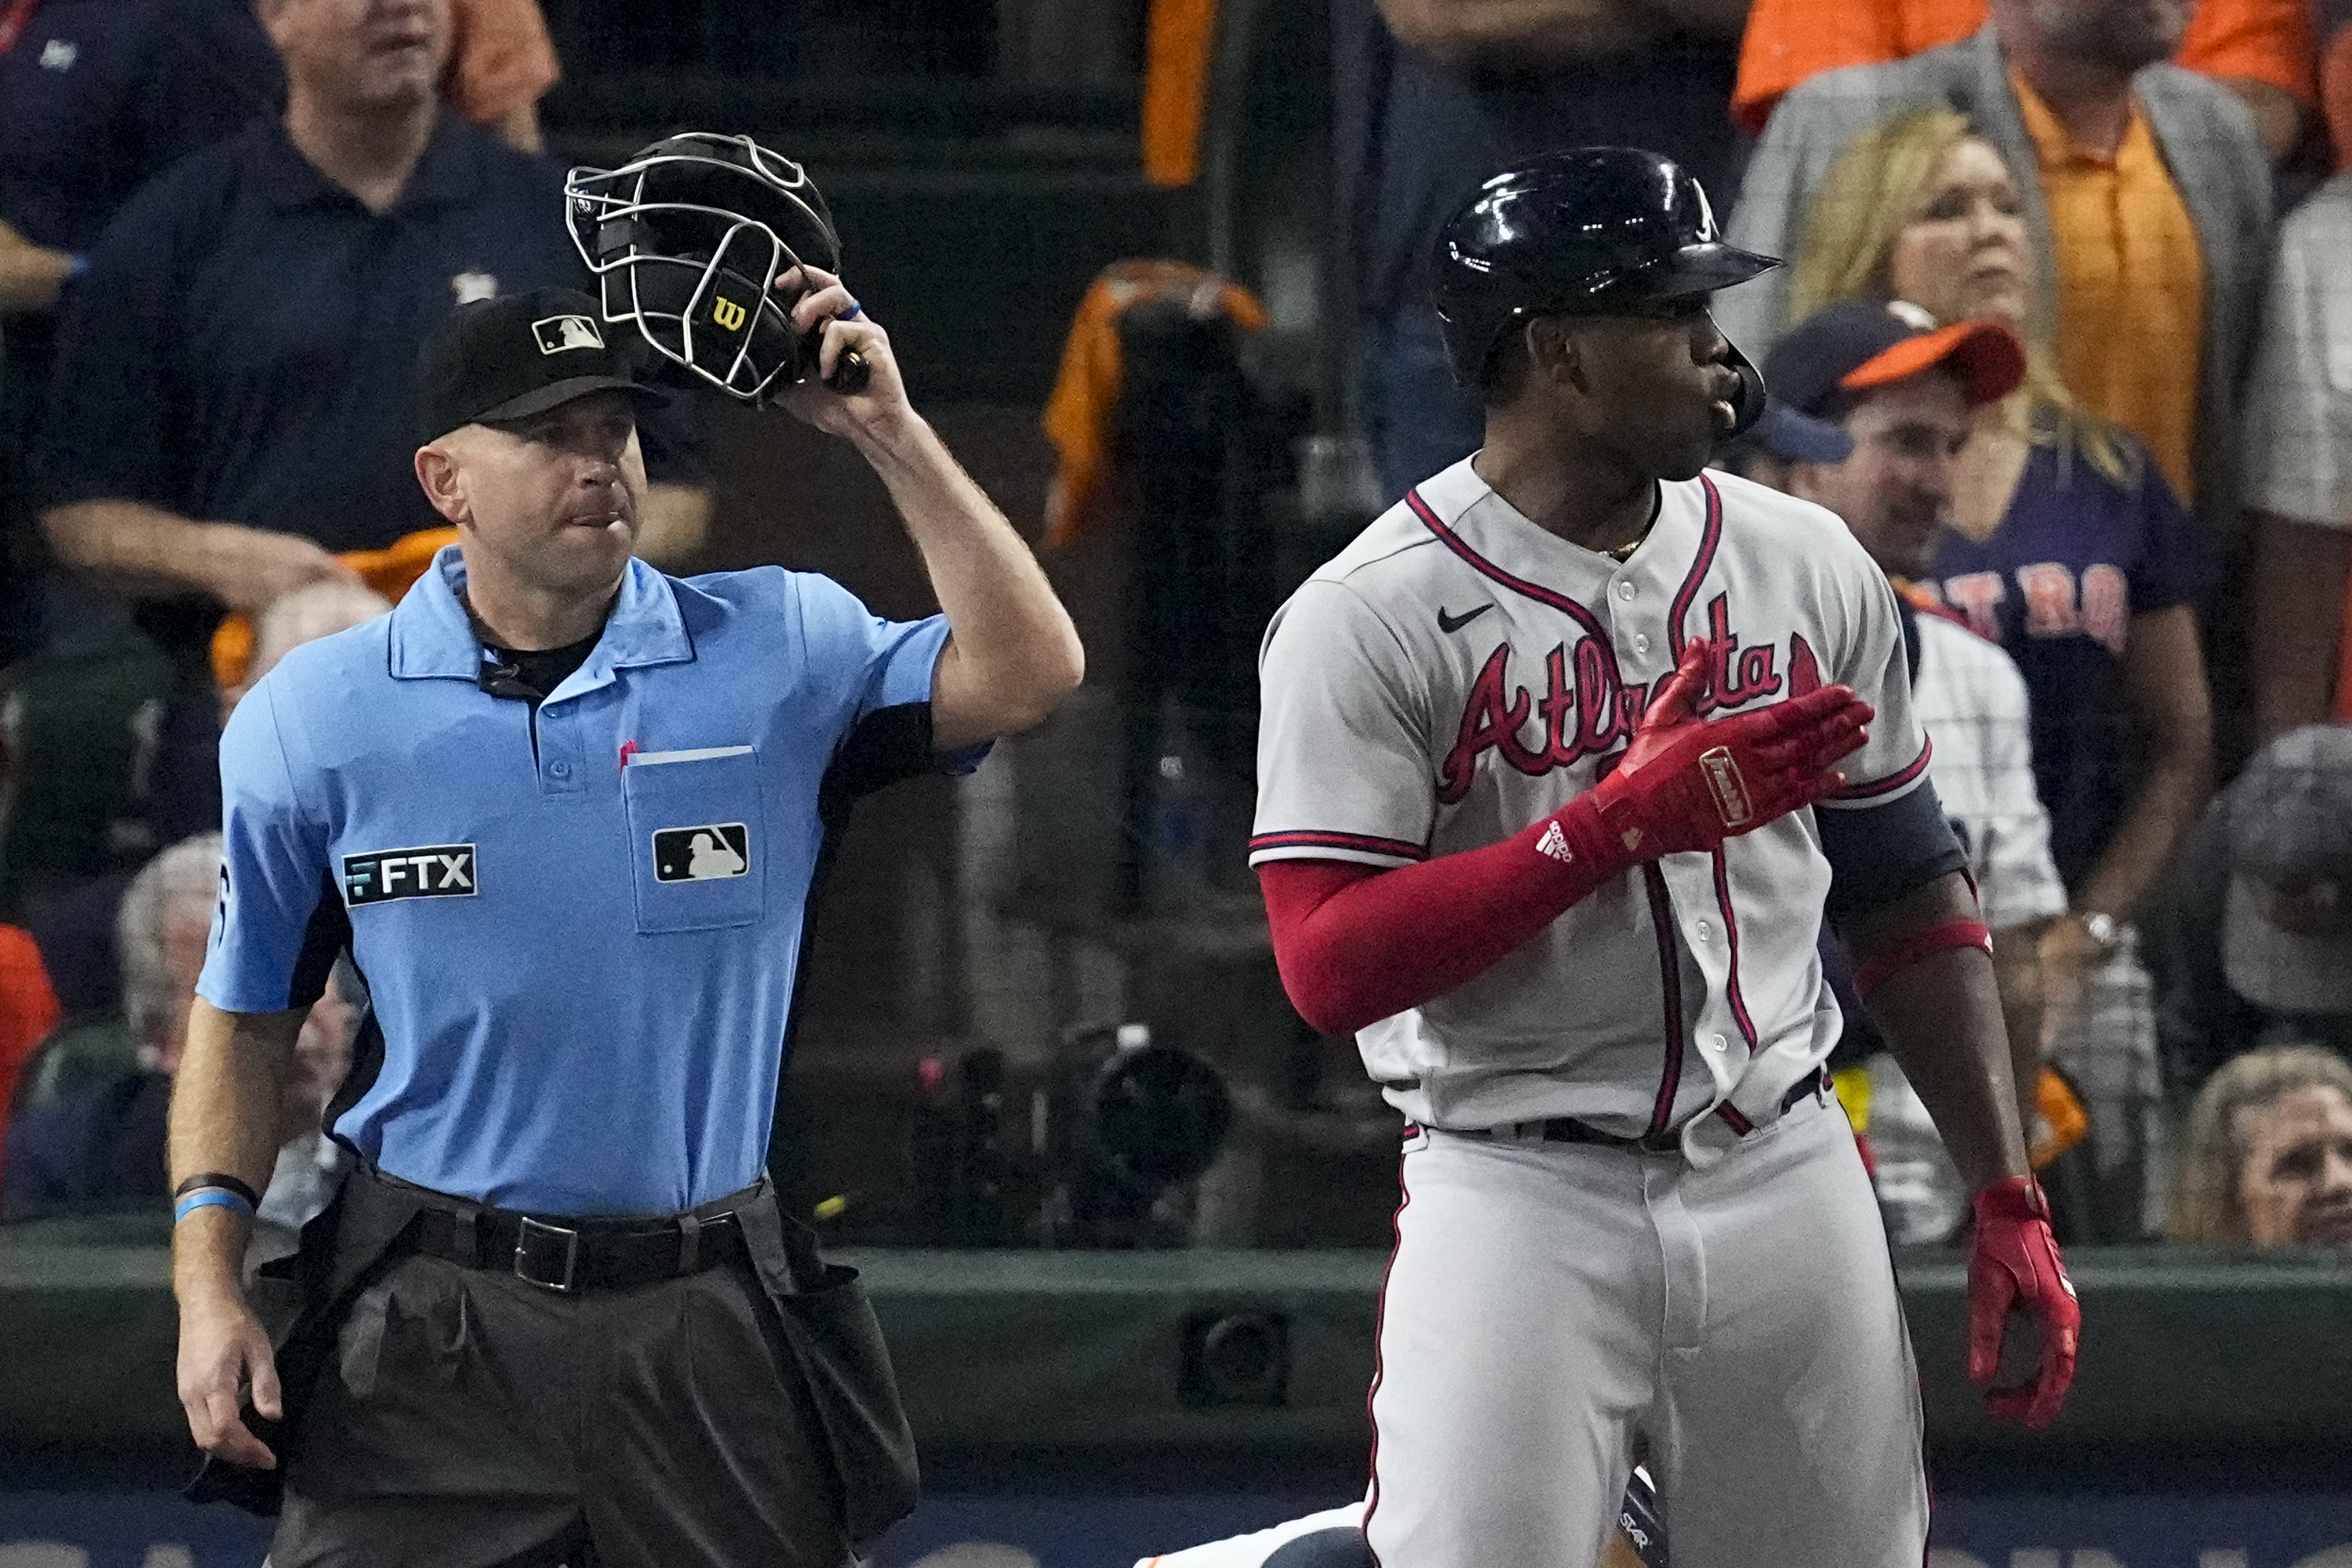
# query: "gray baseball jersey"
{"type": "Point", "coordinates": [1457, 674]}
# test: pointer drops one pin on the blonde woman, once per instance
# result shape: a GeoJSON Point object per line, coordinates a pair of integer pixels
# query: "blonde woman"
{"type": "Point", "coordinates": [2066, 546]}
{"type": "Point", "coordinates": [2268, 1158]}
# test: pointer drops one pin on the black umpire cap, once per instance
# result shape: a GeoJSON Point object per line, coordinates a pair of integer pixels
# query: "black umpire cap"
{"type": "Point", "coordinates": [1587, 230]}
{"type": "Point", "coordinates": [513, 357]}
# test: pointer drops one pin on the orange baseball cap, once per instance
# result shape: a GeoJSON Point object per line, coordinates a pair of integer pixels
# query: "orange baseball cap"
{"type": "Point", "coordinates": [1859, 344]}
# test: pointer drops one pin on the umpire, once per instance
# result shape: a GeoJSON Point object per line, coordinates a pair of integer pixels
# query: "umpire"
{"type": "Point", "coordinates": [564, 811]}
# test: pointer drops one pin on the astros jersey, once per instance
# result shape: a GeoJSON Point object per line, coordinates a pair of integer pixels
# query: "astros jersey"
{"type": "Point", "coordinates": [579, 924]}
{"type": "Point", "coordinates": [1457, 673]}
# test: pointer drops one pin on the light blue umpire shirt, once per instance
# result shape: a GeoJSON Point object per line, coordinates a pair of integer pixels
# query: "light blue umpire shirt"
{"type": "Point", "coordinates": [579, 925]}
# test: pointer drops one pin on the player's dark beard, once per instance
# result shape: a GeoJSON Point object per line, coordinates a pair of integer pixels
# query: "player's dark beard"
{"type": "Point", "coordinates": [1637, 452]}
{"type": "Point", "coordinates": [1662, 456]}
{"type": "Point", "coordinates": [1662, 432]}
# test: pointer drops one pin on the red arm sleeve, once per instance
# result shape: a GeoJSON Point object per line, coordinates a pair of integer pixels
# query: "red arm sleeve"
{"type": "Point", "coordinates": [1356, 944]}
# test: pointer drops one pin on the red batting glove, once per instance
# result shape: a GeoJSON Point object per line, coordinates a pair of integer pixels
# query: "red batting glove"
{"type": "Point", "coordinates": [2013, 1264]}
{"type": "Point", "coordinates": [1688, 784]}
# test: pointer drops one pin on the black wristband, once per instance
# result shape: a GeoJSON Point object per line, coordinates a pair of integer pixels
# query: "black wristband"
{"type": "Point", "coordinates": [225, 1181]}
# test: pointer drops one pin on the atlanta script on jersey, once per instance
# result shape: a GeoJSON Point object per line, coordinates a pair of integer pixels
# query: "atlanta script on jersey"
{"type": "Point", "coordinates": [1403, 719]}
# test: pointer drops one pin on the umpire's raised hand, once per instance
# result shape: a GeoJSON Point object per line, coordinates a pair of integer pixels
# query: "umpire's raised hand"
{"type": "Point", "coordinates": [840, 398]}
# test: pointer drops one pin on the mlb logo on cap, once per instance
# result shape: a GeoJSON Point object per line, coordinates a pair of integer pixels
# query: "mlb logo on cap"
{"type": "Point", "coordinates": [511, 357]}
{"type": "Point", "coordinates": [557, 334]}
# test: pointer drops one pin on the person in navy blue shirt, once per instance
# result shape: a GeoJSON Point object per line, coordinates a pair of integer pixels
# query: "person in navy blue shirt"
{"type": "Point", "coordinates": [2093, 581]}
{"type": "Point", "coordinates": [235, 381]}
{"type": "Point", "coordinates": [98, 96]}
{"type": "Point", "coordinates": [564, 813]}
{"type": "Point", "coordinates": [2079, 559]}
{"type": "Point", "coordinates": [236, 360]}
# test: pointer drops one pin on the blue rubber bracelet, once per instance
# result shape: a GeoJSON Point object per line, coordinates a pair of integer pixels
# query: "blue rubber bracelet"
{"type": "Point", "coordinates": [210, 1198]}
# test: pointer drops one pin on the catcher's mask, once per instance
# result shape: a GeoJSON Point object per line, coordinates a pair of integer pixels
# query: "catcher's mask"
{"type": "Point", "coordinates": [688, 239]}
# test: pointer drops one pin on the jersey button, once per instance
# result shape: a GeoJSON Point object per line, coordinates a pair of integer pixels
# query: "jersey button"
{"type": "Point", "coordinates": [1705, 931]}
{"type": "Point", "coordinates": [1624, 590]}
{"type": "Point", "coordinates": [1640, 643]}
{"type": "Point", "coordinates": [559, 770]}
{"type": "Point", "coordinates": [1718, 1043]}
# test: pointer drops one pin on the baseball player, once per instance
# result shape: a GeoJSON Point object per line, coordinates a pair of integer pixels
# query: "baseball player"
{"type": "Point", "coordinates": [1562, 764]}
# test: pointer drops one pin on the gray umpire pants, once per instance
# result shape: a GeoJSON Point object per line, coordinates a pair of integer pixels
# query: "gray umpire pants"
{"type": "Point", "coordinates": [471, 1419]}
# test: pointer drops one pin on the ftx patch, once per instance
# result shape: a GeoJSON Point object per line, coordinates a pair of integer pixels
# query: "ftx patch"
{"type": "Point", "coordinates": [434, 871]}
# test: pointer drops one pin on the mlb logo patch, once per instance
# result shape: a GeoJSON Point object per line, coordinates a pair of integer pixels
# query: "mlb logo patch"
{"type": "Point", "coordinates": [557, 334]}
{"type": "Point", "coordinates": [712, 853]}
{"type": "Point", "coordinates": [433, 871]}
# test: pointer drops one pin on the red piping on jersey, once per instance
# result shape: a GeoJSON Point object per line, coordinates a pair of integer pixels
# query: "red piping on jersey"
{"type": "Point", "coordinates": [1687, 595]}
{"type": "Point", "coordinates": [1379, 1366]}
{"type": "Point", "coordinates": [1892, 782]}
{"type": "Point", "coordinates": [1670, 976]}
{"type": "Point", "coordinates": [1309, 838]}
{"type": "Point", "coordinates": [1536, 590]}
{"type": "Point", "coordinates": [1737, 1122]}
{"type": "Point", "coordinates": [1731, 939]}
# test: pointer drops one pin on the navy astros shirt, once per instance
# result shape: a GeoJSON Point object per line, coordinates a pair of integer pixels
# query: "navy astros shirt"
{"type": "Point", "coordinates": [99, 96]}
{"type": "Point", "coordinates": [244, 346]}
{"type": "Point", "coordinates": [2077, 557]}
{"type": "Point", "coordinates": [580, 922]}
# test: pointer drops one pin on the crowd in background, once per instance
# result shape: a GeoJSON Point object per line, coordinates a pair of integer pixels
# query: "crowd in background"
{"type": "Point", "coordinates": [225, 226]}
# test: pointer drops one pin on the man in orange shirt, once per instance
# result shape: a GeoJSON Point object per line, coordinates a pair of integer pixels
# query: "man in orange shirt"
{"type": "Point", "coordinates": [2145, 187]}
{"type": "Point", "coordinates": [2131, 274]}
{"type": "Point", "coordinates": [2263, 50]}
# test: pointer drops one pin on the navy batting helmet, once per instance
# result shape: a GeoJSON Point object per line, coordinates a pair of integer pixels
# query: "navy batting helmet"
{"type": "Point", "coordinates": [1584, 231]}
{"type": "Point", "coordinates": [688, 237]}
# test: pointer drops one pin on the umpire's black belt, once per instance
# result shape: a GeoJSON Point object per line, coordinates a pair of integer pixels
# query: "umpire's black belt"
{"type": "Point", "coordinates": [821, 1311]}
{"type": "Point", "coordinates": [572, 1254]}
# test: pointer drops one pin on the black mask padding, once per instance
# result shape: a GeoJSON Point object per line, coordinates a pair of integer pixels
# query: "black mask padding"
{"type": "Point", "coordinates": [660, 289]}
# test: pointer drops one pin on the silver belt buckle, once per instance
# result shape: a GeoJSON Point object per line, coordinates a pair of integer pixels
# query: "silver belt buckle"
{"type": "Point", "coordinates": [538, 1246]}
